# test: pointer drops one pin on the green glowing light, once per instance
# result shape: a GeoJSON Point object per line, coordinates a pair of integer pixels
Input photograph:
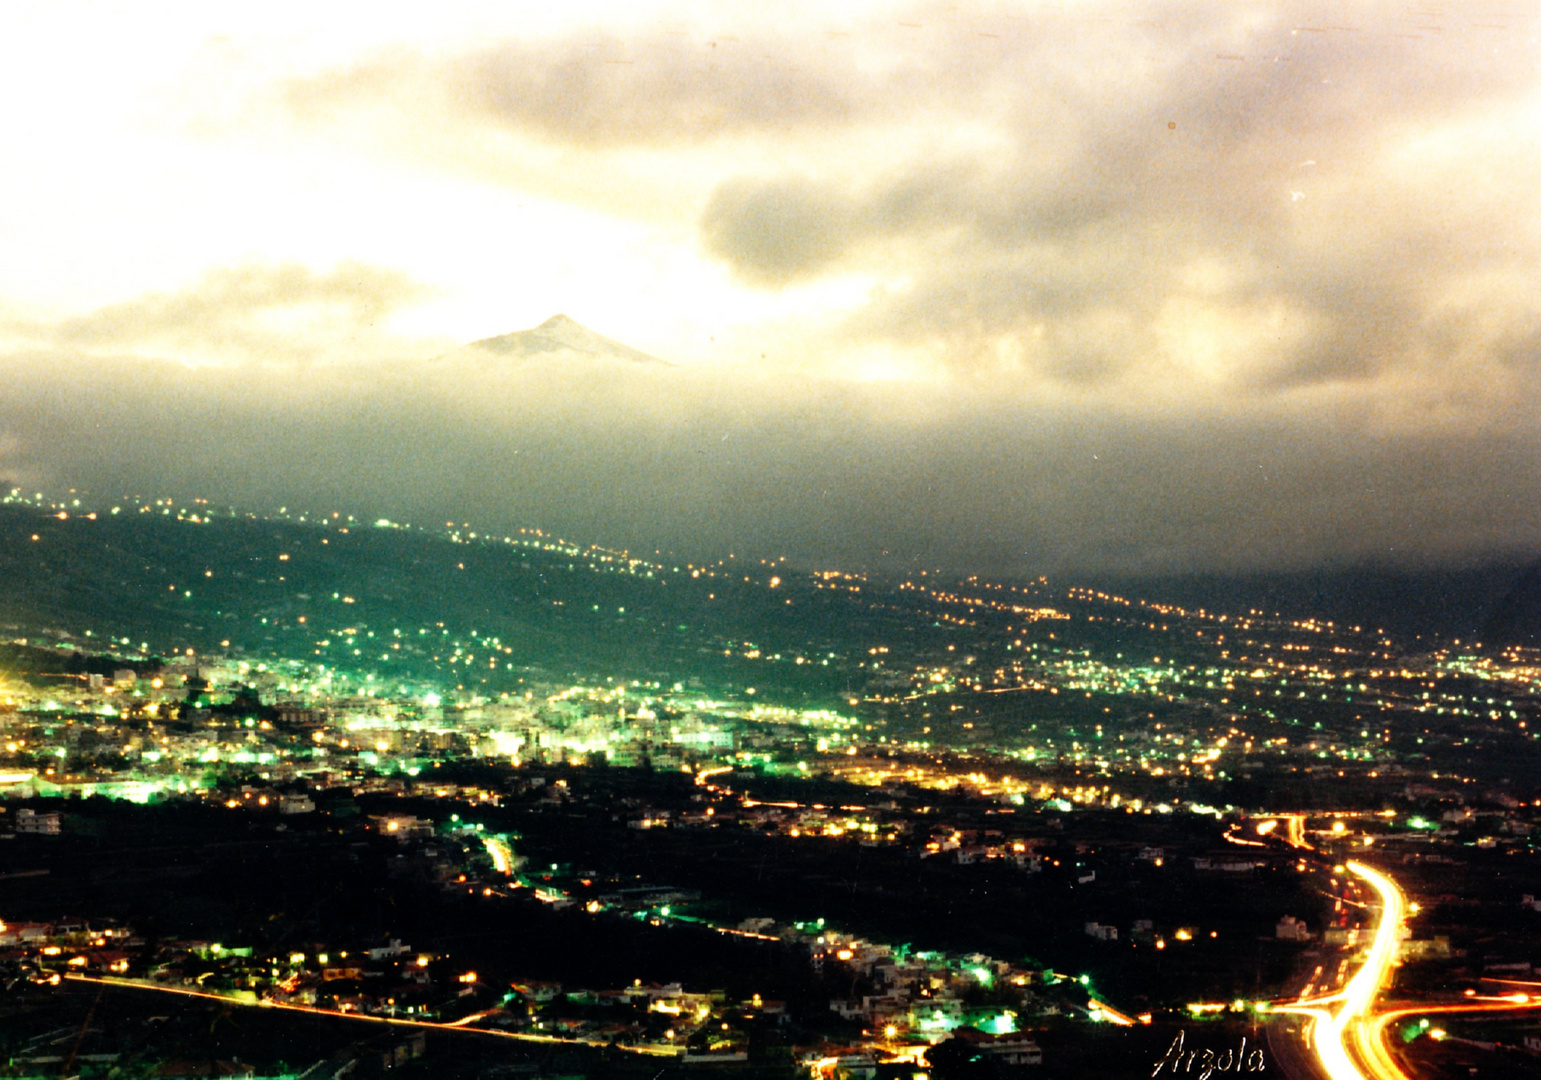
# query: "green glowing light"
{"type": "Point", "coordinates": [1002, 1024]}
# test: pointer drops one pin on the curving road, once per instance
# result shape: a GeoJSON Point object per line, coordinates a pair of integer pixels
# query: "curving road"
{"type": "Point", "coordinates": [1341, 1021]}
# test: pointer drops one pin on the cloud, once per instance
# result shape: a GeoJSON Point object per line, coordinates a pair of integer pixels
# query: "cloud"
{"type": "Point", "coordinates": [1239, 196]}
{"type": "Point", "coordinates": [656, 90]}
{"type": "Point", "coordinates": [1275, 205]}
{"type": "Point", "coordinates": [596, 90]}
{"type": "Point", "coordinates": [773, 233]}
{"type": "Point", "coordinates": [1197, 286]}
{"type": "Point", "coordinates": [822, 470]}
{"type": "Point", "coordinates": [250, 311]}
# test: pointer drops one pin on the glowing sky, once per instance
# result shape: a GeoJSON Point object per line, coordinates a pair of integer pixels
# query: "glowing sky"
{"type": "Point", "coordinates": [1066, 286]}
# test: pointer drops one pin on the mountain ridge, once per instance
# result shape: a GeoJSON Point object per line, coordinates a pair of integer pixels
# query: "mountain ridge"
{"type": "Point", "coordinates": [562, 333]}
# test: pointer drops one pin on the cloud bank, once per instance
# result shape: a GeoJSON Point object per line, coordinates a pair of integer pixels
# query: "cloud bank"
{"type": "Point", "coordinates": [1083, 287]}
{"type": "Point", "coordinates": [821, 470]}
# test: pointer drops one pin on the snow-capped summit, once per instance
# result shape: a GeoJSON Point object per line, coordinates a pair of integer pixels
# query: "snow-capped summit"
{"type": "Point", "coordinates": [560, 334]}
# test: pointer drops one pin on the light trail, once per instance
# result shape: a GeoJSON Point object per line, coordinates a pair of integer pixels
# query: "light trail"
{"type": "Point", "coordinates": [1112, 1015]}
{"type": "Point", "coordinates": [1332, 1033]}
{"type": "Point", "coordinates": [1294, 829]}
{"type": "Point", "coordinates": [1374, 1031]}
{"type": "Point", "coordinates": [502, 854]}
{"type": "Point", "coordinates": [461, 1026]}
{"type": "Point", "coordinates": [1230, 836]}
{"type": "Point", "coordinates": [1332, 1036]}
{"type": "Point", "coordinates": [704, 776]}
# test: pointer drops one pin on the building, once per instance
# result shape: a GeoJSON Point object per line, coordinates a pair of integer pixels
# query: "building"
{"type": "Point", "coordinates": [30, 821]}
{"type": "Point", "coordinates": [1290, 928]}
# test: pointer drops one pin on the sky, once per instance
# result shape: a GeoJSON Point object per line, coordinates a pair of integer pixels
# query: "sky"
{"type": "Point", "coordinates": [1076, 288]}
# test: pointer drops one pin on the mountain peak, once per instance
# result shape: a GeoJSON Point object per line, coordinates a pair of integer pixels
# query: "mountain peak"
{"type": "Point", "coordinates": [563, 334]}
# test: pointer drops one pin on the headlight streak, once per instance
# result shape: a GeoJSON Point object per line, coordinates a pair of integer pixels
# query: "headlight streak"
{"type": "Point", "coordinates": [1330, 1033]}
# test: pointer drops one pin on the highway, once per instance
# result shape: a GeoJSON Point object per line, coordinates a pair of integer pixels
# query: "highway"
{"type": "Point", "coordinates": [1334, 1031]}
{"type": "Point", "coordinates": [1349, 1042]}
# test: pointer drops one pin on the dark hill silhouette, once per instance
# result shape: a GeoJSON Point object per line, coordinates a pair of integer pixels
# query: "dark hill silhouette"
{"type": "Point", "coordinates": [1517, 618]}
{"type": "Point", "coordinates": [1465, 603]}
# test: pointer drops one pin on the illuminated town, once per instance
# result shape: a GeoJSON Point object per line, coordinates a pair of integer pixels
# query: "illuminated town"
{"type": "Point", "coordinates": [969, 826]}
